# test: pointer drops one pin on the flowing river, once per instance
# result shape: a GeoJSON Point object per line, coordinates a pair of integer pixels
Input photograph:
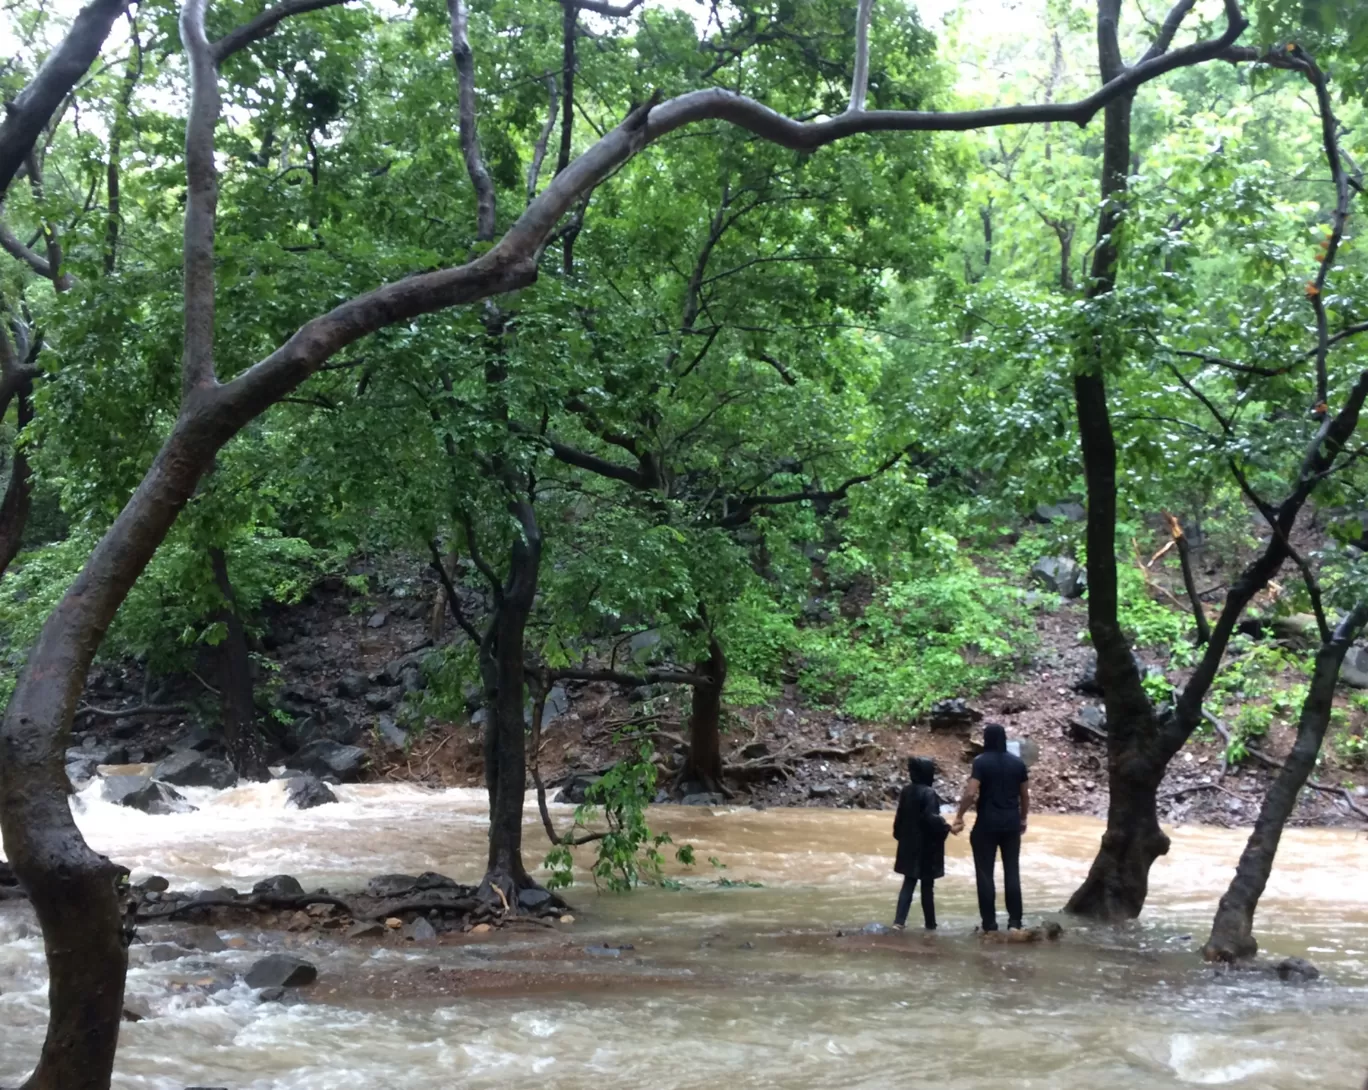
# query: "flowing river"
{"type": "Point", "coordinates": [725, 982]}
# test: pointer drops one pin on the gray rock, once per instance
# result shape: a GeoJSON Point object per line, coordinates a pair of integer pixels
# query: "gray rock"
{"type": "Point", "coordinates": [82, 771]}
{"type": "Point", "coordinates": [271, 995]}
{"type": "Point", "coordinates": [703, 798]}
{"type": "Point", "coordinates": [378, 619]}
{"type": "Point", "coordinates": [533, 898]}
{"type": "Point", "coordinates": [142, 793]}
{"type": "Point", "coordinates": [280, 885]}
{"type": "Point", "coordinates": [281, 971]}
{"type": "Point", "coordinates": [189, 768]}
{"type": "Point", "coordinates": [154, 884]}
{"type": "Point", "coordinates": [1094, 717]}
{"type": "Point", "coordinates": [557, 704]}
{"type": "Point", "coordinates": [165, 951]}
{"type": "Point", "coordinates": [366, 929]}
{"type": "Point", "coordinates": [204, 939]}
{"type": "Point", "coordinates": [380, 701]}
{"type": "Point", "coordinates": [1068, 511]}
{"type": "Point", "coordinates": [753, 751]}
{"type": "Point", "coordinates": [306, 792]}
{"type": "Point", "coordinates": [1088, 683]}
{"type": "Point", "coordinates": [574, 790]}
{"type": "Point", "coordinates": [1060, 574]}
{"type": "Point", "coordinates": [641, 646]}
{"type": "Point", "coordinates": [480, 717]}
{"type": "Point", "coordinates": [420, 930]}
{"type": "Point", "coordinates": [821, 791]}
{"type": "Point", "coordinates": [390, 732]}
{"type": "Point", "coordinates": [1354, 671]}
{"type": "Point", "coordinates": [951, 714]}
{"type": "Point", "coordinates": [1296, 970]}
{"type": "Point", "coordinates": [352, 685]}
{"type": "Point", "coordinates": [391, 885]}
{"type": "Point", "coordinates": [324, 757]}
{"type": "Point", "coordinates": [411, 679]}
{"type": "Point", "coordinates": [202, 740]}
{"type": "Point", "coordinates": [102, 753]}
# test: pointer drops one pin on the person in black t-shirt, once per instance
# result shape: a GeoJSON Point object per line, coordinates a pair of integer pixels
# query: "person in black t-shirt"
{"type": "Point", "coordinates": [997, 784]}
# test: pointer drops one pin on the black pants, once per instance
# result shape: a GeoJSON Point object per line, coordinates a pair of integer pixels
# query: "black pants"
{"type": "Point", "coordinates": [928, 899]}
{"type": "Point", "coordinates": [985, 845]}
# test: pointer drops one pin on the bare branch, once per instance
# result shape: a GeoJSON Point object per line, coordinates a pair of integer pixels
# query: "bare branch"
{"type": "Point", "coordinates": [15, 247]}
{"type": "Point", "coordinates": [543, 139]}
{"type": "Point", "coordinates": [453, 599]}
{"type": "Point", "coordinates": [616, 11]}
{"type": "Point", "coordinates": [264, 25]}
{"type": "Point", "coordinates": [1170, 26]}
{"type": "Point", "coordinates": [480, 180]}
{"type": "Point", "coordinates": [859, 82]}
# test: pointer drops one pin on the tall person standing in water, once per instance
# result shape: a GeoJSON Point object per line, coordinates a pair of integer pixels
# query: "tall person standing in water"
{"type": "Point", "coordinates": [920, 832]}
{"type": "Point", "coordinates": [997, 784]}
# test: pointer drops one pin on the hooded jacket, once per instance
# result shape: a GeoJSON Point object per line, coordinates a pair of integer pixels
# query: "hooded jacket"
{"type": "Point", "coordinates": [918, 826]}
{"type": "Point", "coordinates": [1000, 775]}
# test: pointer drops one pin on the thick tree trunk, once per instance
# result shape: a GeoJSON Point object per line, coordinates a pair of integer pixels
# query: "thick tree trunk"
{"type": "Point", "coordinates": [702, 771]}
{"type": "Point", "coordinates": [74, 891]}
{"type": "Point", "coordinates": [18, 501]}
{"type": "Point", "coordinates": [504, 668]}
{"type": "Point", "coordinates": [236, 695]}
{"type": "Point", "coordinates": [1232, 932]}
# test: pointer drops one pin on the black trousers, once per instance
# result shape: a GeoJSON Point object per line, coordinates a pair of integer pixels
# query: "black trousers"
{"type": "Point", "coordinates": [928, 901]}
{"type": "Point", "coordinates": [986, 845]}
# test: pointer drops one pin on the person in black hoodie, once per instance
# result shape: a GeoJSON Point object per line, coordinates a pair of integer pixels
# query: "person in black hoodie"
{"type": "Point", "coordinates": [997, 786]}
{"type": "Point", "coordinates": [920, 832]}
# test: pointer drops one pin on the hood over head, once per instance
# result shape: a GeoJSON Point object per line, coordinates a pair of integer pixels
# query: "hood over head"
{"type": "Point", "coordinates": [921, 769]}
{"type": "Point", "coordinates": [995, 738]}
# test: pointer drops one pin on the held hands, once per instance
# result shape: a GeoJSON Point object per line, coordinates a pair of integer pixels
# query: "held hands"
{"type": "Point", "coordinates": [957, 826]}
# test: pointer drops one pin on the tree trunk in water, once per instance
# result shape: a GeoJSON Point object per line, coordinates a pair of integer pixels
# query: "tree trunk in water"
{"type": "Point", "coordinates": [14, 509]}
{"type": "Point", "coordinates": [1232, 932]}
{"type": "Point", "coordinates": [504, 670]}
{"type": "Point", "coordinates": [702, 771]}
{"type": "Point", "coordinates": [74, 891]}
{"type": "Point", "coordinates": [236, 695]}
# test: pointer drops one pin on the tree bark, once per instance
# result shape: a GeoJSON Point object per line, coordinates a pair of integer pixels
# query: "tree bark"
{"type": "Point", "coordinates": [236, 695]}
{"type": "Point", "coordinates": [18, 501]}
{"type": "Point", "coordinates": [1232, 931]}
{"type": "Point", "coordinates": [1118, 881]}
{"type": "Point", "coordinates": [702, 771]}
{"type": "Point", "coordinates": [504, 668]}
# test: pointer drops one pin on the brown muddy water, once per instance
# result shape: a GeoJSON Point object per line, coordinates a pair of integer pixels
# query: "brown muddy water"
{"type": "Point", "coordinates": [723, 984]}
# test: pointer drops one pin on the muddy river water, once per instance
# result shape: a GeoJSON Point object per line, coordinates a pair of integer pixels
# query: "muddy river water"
{"type": "Point", "coordinates": [725, 983]}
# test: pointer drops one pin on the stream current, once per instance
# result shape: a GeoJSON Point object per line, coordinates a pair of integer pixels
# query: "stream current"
{"type": "Point", "coordinates": [738, 979]}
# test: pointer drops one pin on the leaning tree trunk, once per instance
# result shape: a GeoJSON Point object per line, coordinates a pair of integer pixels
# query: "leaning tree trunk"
{"type": "Point", "coordinates": [236, 695]}
{"type": "Point", "coordinates": [504, 667]}
{"type": "Point", "coordinates": [75, 892]}
{"type": "Point", "coordinates": [702, 771]}
{"type": "Point", "coordinates": [1232, 932]}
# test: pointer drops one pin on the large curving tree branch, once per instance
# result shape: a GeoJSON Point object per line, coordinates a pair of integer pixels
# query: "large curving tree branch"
{"type": "Point", "coordinates": [464, 59]}
{"type": "Point", "coordinates": [29, 113]}
{"type": "Point", "coordinates": [264, 25]}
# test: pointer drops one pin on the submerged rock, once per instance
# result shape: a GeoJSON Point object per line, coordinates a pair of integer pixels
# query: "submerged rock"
{"type": "Point", "coordinates": [1296, 971]}
{"type": "Point", "coordinates": [420, 930]}
{"type": "Point", "coordinates": [281, 971]}
{"type": "Point", "coordinates": [533, 898]}
{"type": "Point", "coordinates": [145, 794]}
{"type": "Point", "coordinates": [306, 792]}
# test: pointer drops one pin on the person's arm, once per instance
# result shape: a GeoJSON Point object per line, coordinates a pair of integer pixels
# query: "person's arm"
{"type": "Point", "coordinates": [1025, 804]}
{"type": "Point", "coordinates": [930, 814]}
{"type": "Point", "coordinates": [970, 796]}
{"type": "Point", "coordinates": [900, 816]}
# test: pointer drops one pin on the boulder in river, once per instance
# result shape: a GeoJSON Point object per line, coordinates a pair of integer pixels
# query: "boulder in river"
{"type": "Point", "coordinates": [281, 971]}
{"type": "Point", "coordinates": [145, 794]}
{"type": "Point", "coordinates": [1296, 971]}
{"type": "Point", "coordinates": [82, 771]}
{"type": "Point", "coordinates": [421, 930]}
{"type": "Point", "coordinates": [534, 898]}
{"type": "Point", "coordinates": [280, 885]}
{"type": "Point", "coordinates": [102, 753]}
{"type": "Point", "coordinates": [189, 768]}
{"type": "Point", "coordinates": [391, 885]}
{"type": "Point", "coordinates": [1065, 577]}
{"type": "Point", "coordinates": [306, 792]}
{"type": "Point", "coordinates": [324, 757]}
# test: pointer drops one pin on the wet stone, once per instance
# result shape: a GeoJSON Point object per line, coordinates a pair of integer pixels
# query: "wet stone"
{"type": "Point", "coordinates": [307, 792]}
{"type": "Point", "coordinates": [281, 971]}
{"type": "Point", "coordinates": [281, 885]}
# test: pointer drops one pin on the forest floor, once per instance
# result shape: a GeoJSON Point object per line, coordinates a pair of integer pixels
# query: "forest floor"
{"type": "Point", "coordinates": [338, 656]}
